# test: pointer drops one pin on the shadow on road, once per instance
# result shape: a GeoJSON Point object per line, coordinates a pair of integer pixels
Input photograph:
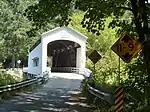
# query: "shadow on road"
{"type": "Point", "coordinates": [58, 95]}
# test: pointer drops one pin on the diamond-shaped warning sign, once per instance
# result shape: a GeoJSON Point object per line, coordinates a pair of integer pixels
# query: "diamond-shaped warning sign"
{"type": "Point", "coordinates": [95, 56]}
{"type": "Point", "coordinates": [126, 47]}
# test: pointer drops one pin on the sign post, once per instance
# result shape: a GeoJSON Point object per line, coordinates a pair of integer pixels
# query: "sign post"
{"type": "Point", "coordinates": [95, 57]}
{"type": "Point", "coordinates": [118, 70]}
{"type": "Point", "coordinates": [94, 68]}
{"type": "Point", "coordinates": [126, 48]}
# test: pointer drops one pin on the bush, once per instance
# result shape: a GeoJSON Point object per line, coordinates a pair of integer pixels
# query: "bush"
{"type": "Point", "coordinates": [5, 79]}
{"type": "Point", "coordinates": [136, 86]}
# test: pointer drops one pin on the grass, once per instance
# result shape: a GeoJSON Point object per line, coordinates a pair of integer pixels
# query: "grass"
{"type": "Point", "coordinates": [9, 94]}
{"type": "Point", "coordinates": [6, 78]}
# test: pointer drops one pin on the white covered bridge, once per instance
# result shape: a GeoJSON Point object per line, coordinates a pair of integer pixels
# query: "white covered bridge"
{"type": "Point", "coordinates": [59, 49]}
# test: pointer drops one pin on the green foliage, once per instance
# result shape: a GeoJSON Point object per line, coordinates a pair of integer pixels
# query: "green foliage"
{"type": "Point", "coordinates": [136, 85]}
{"type": "Point", "coordinates": [55, 11]}
{"type": "Point", "coordinates": [5, 79]}
{"type": "Point", "coordinates": [133, 75]}
{"type": "Point", "coordinates": [17, 34]}
{"type": "Point", "coordinates": [107, 66]}
{"type": "Point", "coordinates": [125, 14]}
{"type": "Point", "coordinates": [13, 40]}
{"type": "Point", "coordinates": [137, 76]}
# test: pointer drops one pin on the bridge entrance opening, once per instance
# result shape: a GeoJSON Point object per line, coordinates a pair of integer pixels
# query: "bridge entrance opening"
{"type": "Point", "coordinates": [62, 53]}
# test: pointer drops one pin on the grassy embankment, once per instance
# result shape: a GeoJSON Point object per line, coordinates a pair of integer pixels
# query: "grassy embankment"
{"type": "Point", "coordinates": [12, 76]}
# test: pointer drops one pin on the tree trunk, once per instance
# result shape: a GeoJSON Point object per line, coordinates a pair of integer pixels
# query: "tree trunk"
{"type": "Point", "coordinates": [13, 61]}
{"type": "Point", "coordinates": [147, 57]}
{"type": "Point", "coordinates": [141, 22]}
{"type": "Point", "coordinates": [147, 62]}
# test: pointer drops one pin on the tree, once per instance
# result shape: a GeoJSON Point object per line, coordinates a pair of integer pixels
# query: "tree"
{"type": "Point", "coordinates": [96, 12]}
{"type": "Point", "coordinates": [14, 41]}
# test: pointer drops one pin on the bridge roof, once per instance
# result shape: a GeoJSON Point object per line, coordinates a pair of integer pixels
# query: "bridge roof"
{"type": "Point", "coordinates": [62, 28]}
{"type": "Point", "coordinates": [55, 30]}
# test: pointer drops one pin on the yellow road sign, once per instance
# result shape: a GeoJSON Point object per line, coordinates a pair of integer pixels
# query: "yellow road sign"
{"type": "Point", "coordinates": [95, 56]}
{"type": "Point", "coordinates": [126, 47]}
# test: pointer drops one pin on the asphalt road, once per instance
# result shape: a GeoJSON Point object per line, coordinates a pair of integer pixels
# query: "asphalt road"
{"type": "Point", "coordinates": [60, 94]}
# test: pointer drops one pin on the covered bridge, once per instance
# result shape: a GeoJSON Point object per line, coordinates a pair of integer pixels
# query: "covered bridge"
{"type": "Point", "coordinates": [60, 47]}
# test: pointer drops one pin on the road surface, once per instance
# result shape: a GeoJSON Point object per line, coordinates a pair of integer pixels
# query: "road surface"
{"type": "Point", "coordinates": [60, 94]}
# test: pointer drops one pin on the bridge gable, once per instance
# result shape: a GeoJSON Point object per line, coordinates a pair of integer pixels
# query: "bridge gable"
{"type": "Point", "coordinates": [63, 33]}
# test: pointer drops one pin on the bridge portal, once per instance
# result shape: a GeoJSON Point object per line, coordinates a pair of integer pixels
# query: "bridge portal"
{"type": "Point", "coordinates": [60, 47]}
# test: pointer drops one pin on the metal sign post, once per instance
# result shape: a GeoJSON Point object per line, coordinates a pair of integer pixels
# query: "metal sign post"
{"type": "Point", "coordinates": [94, 69]}
{"type": "Point", "coordinates": [118, 70]}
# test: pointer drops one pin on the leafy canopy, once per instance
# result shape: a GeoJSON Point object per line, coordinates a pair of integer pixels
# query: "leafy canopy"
{"type": "Point", "coordinates": [96, 11]}
{"type": "Point", "coordinates": [14, 41]}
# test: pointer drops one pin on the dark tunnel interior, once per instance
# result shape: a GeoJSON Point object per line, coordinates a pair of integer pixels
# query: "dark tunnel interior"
{"type": "Point", "coordinates": [63, 53]}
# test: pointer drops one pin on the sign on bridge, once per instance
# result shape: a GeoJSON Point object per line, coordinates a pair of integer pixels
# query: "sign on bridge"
{"type": "Point", "coordinates": [126, 47]}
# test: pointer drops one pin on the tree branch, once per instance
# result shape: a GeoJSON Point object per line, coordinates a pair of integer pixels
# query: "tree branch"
{"type": "Point", "coordinates": [125, 8]}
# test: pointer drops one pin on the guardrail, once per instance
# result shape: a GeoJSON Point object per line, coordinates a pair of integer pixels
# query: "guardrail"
{"type": "Point", "coordinates": [24, 83]}
{"type": "Point", "coordinates": [18, 85]}
{"type": "Point", "coordinates": [109, 97]}
{"type": "Point", "coordinates": [102, 95]}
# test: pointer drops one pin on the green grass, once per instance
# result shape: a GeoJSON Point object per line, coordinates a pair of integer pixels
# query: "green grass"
{"type": "Point", "coordinates": [9, 94]}
{"type": "Point", "coordinates": [7, 78]}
